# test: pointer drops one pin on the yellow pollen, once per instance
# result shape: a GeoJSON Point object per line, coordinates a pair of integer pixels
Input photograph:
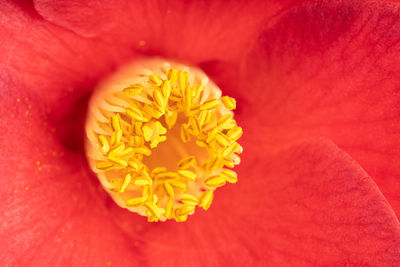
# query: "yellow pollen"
{"type": "Point", "coordinates": [161, 139]}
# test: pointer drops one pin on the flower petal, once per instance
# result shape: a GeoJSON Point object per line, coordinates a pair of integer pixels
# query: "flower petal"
{"type": "Point", "coordinates": [308, 205]}
{"type": "Point", "coordinates": [332, 68]}
{"type": "Point", "coordinates": [52, 212]}
{"type": "Point", "coordinates": [189, 30]}
{"type": "Point", "coordinates": [51, 61]}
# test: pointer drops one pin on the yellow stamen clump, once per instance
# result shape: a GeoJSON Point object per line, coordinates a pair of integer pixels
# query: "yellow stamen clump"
{"type": "Point", "coordinates": [160, 139]}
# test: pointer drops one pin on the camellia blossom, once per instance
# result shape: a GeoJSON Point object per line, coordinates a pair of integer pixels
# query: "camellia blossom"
{"type": "Point", "coordinates": [318, 99]}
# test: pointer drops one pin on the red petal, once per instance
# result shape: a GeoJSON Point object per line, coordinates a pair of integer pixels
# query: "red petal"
{"type": "Point", "coordinates": [51, 61]}
{"type": "Point", "coordinates": [189, 30]}
{"type": "Point", "coordinates": [331, 68]}
{"type": "Point", "coordinates": [310, 204]}
{"type": "Point", "coordinates": [51, 213]}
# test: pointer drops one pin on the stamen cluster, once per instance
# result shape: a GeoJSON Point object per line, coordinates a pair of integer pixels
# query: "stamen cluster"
{"type": "Point", "coordinates": [131, 122]}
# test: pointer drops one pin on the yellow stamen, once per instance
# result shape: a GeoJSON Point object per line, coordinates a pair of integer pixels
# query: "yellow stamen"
{"type": "Point", "coordinates": [133, 202]}
{"type": "Point", "coordinates": [201, 143]}
{"type": "Point", "coordinates": [169, 210]}
{"type": "Point", "coordinates": [103, 165]}
{"type": "Point", "coordinates": [134, 163]}
{"type": "Point", "coordinates": [166, 89]}
{"type": "Point", "coordinates": [222, 139]}
{"type": "Point", "coordinates": [235, 133]}
{"type": "Point", "coordinates": [187, 162]}
{"type": "Point", "coordinates": [170, 118]}
{"type": "Point", "coordinates": [215, 181]}
{"type": "Point", "coordinates": [194, 123]}
{"type": "Point", "coordinates": [116, 122]}
{"type": "Point", "coordinates": [125, 183]}
{"type": "Point", "coordinates": [172, 75]}
{"type": "Point", "coordinates": [183, 79]}
{"type": "Point", "coordinates": [168, 188]}
{"type": "Point", "coordinates": [147, 176]}
{"type": "Point", "coordinates": [142, 150]}
{"type": "Point", "coordinates": [206, 199]}
{"type": "Point", "coordinates": [199, 88]}
{"type": "Point", "coordinates": [154, 210]}
{"type": "Point", "coordinates": [181, 218]}
{"type": "Point", "coordinates": [229, 102]}
{"type": "Point", "coordinates": [185, 133]}
{"type": "Point", "coordinates": [135, 113]}
{"type": "Point", "coordinates": [167, 175]}
{"type": "Point", "coordinates": [179, 185]}
{"type": "Point", "coordinates": [210, 104]}
{"type": "Point", "coordinates": [226, 122]}
{"type": "Point", "coordinates": [118, 161]}
{"type": "Point", "coordinates": [158, 170]}
{"type": "Point", "coordinates": [188, 99]}
{"type": "Point", "coordinates": [203, 117]}
{"type": "Point", "coordinates": [161, 139]}
{"type": "Point", "coordinates": [105, 147]}
{"type": "Point", "coordinates": [230, 150]}
{"type": "Point", "coordinates": [191, 176]}
{"type": "Point", "coordinates": [184, 210]}
{"type": "Point", "coordinates": [159, 98]}
{"type": "Point", "coordinates": [133, 90]}
{"type": "Point", "coordinates": [189, 199]}
{"type": "Point", "coordinates": [141, 182]}
{"type": "Point", "coordinates": [117, 150]}
{"type": "Point", "coordinates": [126, 151]}
{"type": "Point", "coordinates": [155, 80]}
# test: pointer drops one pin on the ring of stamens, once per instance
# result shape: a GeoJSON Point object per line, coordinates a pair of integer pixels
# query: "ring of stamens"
{"type": "Point", "coordinates": [131, 114]}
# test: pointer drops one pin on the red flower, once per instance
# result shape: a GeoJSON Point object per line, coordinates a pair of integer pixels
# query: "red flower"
{"type": "Point", "coordinates": [319, 99]}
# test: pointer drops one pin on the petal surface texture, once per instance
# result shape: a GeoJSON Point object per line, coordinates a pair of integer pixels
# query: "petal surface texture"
{"type": "Point", "coordinates": [189, 30]}
{"type": "Point", "coordinates": [331, 69]}
{"type": "Point", "coordinates": [52, 211]}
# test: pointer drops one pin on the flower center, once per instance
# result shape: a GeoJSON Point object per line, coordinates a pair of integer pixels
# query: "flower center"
{"type": "Point", "coordinates": [161, 139]}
